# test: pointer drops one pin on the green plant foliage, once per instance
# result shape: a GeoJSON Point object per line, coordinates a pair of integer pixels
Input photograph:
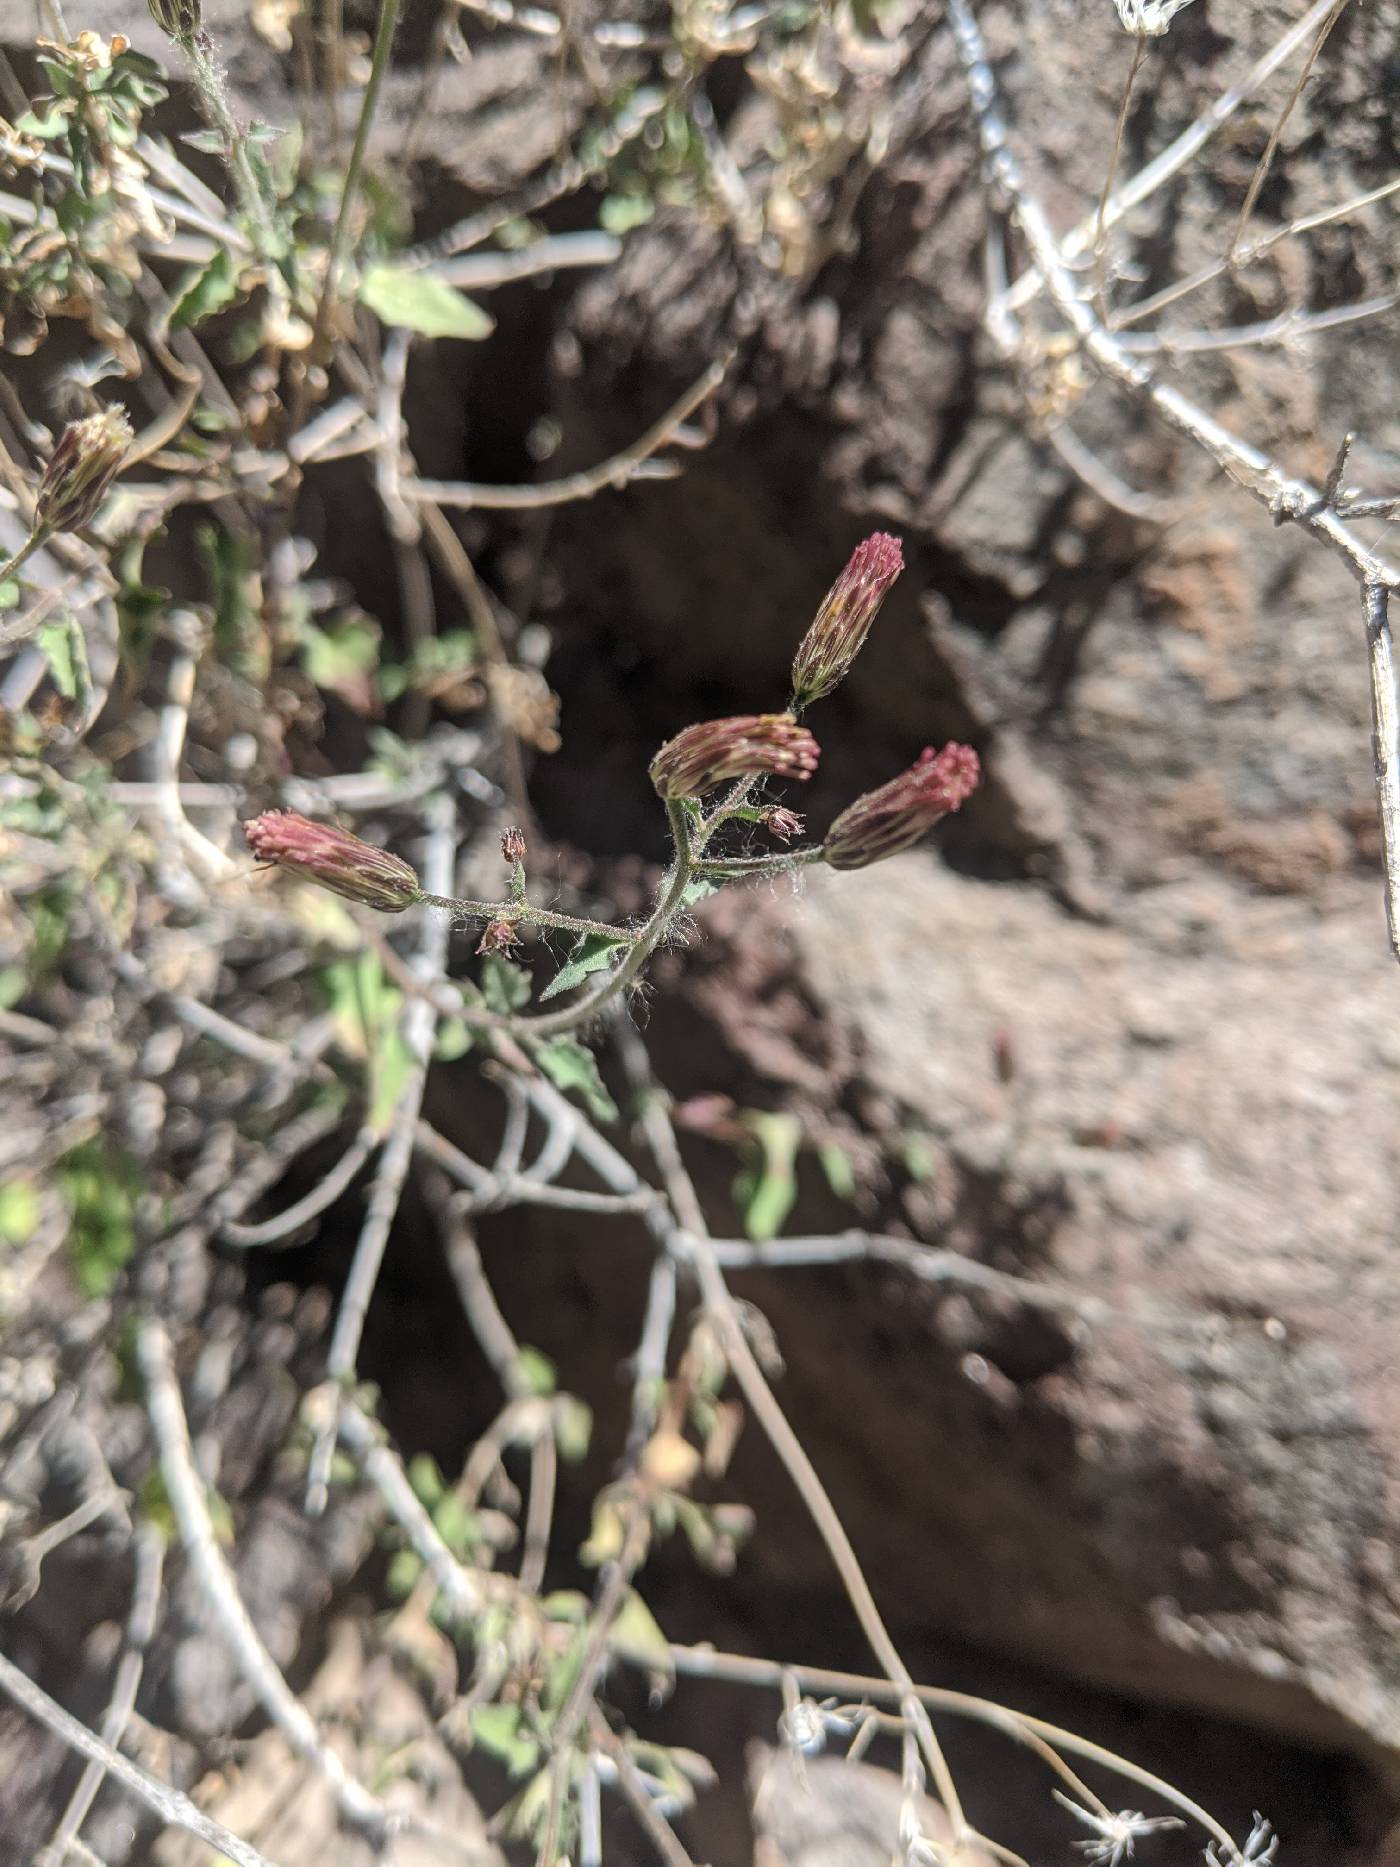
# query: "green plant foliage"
{"type": "Point", "coordinates": [572, 1066]}
{"type": "Point", "coordinates": [417, 301]}
{"type": "Point", "coordinates": [767, 1188]}
{"type": "Point", "coordinates": [100, 1186]}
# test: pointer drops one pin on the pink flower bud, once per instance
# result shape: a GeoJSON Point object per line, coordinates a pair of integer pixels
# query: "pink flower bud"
{"type": "Point", "coordinates": [881, 823]}
{"type": "Point", "coordinates": [334, 859]}
{"type": "Point", "coordinates": [784, 824]}
{"type": "Point", "coordinates": [82, 466]}
{"type": "Point", "coordinates": [513, 845]}
{"type": "Point", "coordinates": [498, 937]}
{"type": "Point", "coordinates": [842, 623]}
{"type": "Point", "coordinates": [715, 751]}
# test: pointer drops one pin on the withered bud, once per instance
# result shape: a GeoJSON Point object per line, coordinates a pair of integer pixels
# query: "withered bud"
{"type": "Point", "coordinates": [86, 460]}
{"type": "Point", "coordinates": [784, 824]}
{"type": "Point", "coordinates": [838, 632]}
{"type": "Point", "coordinates": [334, 859]}
{"type": "Point", "coordinates": [715, 751]}
{"type": "Point", "coordinates": [881, 823]}
{"type": "Point", "coordinates": [178, 19]}
{"type": "Point", "coordinates": [513, 845]}
{"type": "Point", "coordinates": [499, 936]}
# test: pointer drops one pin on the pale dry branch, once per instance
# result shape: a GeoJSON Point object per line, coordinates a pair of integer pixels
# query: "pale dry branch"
{"type": "Point", "coordinates": [186, 1492]}
{"type": "Point", "coordinates": [169, 1805]}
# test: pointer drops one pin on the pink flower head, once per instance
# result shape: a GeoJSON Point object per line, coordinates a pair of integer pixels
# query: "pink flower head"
{"type": "Point", "coordinates": [715, 751]}
{"type": "Point", "coordinates": [838, 633]}
{"type": "Point", "coordinates": [881, 823]}
{"type": "Point", "coordinates": [88, 457]}
{"type": "Point", "coordinates": [334, 859]}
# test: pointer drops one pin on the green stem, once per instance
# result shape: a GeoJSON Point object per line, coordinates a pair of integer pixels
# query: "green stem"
{"type": "Point", "coordinates": [527, 914]}
{"type": "Point", "coordinates": [759, 865]}
{"type": "Point", "coordinates": [644, 944]}
{"type": "Point", "coordinates": [340, 239]}
{"type": "Point", "coordinates": [30, 545]}
{"type": "Point", "coordinates": [210, 87]}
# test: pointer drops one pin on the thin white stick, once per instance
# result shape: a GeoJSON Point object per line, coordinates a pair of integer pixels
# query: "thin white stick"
{"type": "Point", "coordinates": [1080, 240]}
{"type": "Point", "coordinates": [173, 1808]}
{"type": "Point", "coordinates": [419, 1024]}
{"type": "Point", "coordinates": [148, 1552]}
{"type": "Point", "coordinates": [325, 1192]}
{"type": "Point", "coordinates": [186, 1492]}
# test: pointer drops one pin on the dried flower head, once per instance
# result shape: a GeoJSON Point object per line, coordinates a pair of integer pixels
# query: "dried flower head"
{"type": "Point", "coordinates": [714, 751]}
{"type": "Point", "coordinates": [1148, 19]}
{"type": "Point", "coordinates": [179, 19]}
{"type": "Point", "coordinates": [86, 460]}
{"type": "Point", "coordinates": [498, 936]}
{"type": "Point", "coordinates": [1115, 1835]}
{"type": "Point", "coordinates": [784, 824]}
{"type": "Point", "coordinates": [334, 859]}
{"type": "Point", "coordinates": [838, 632]}
{"type": "Point", "coordinates": [513, 845]}
{"type": "Point", "coordinates": [881, 823]}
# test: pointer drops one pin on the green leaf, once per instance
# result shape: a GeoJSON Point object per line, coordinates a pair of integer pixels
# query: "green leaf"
{"type": "Point", "coordinates": [636, 1637]}
{"type": "Point", "coordinates": [570, 1065]}
{"type": "Point", "coordinates": [426, 1479]}
{"type": "Point", "coordinates": [13, 986]}
{"type": "Point", "coordinates": [573, 1427]}
{"type": "Point", "coordinates": [620, 213]}
{"type": "Point", "coordinates": [9, 593]}
{"type": "Point", "coordinates": [341, 658]}
{"type": "Point", "coordinates": [836, 1165]}
{"type": "Point", "coordinates": [504, 985]}
{"type": "Point", "coordinates": [592, 954]}
{"type": "Point", "coordinates": [206, 290]}
{"type": "Point", "coordinates": [531, 1373]}
{"type": "Point", "coordinates": [501, 1732]}
{"type": "Point", "coordinates": [19, 1210]}
{"type": "Point", "coordinates": [454, 1039]}
{"type": "Point", "coordinates": [62, 643]}
{"type": "Point", "coordinates": [699, 889]}
{"type": "Point", "coordinates": [100, 1187]}
{"type": "Point", "coordinates": [767, 1192]}
{"type": "Point", "coordinates": [416, 301]}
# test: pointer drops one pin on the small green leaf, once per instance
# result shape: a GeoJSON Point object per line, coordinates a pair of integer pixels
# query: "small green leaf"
{"type": "Point", "coordinates": [13, 985]}
{"type": "Point", "coordinates": [573, 1427]}
{"type": "Point", "coordinates": [500, 1731]}
{"type": "Point", "coordinates": [593, 953]}
{"type": "Point", "coordinates": [206, 290]}
{"type": "Point", "coordinates": [454, 1039]}
{"type": "Point", "coordinates": [9, 593]}
{"type": "Point", "coordinates": [620, 213]}
{"type": "Point", "coordinates": [836, 1165]}
{"type": "Point", "coordinates": [416, 301]}
{"type": "Point", "coordinates": [570, 1065]}
{"type": "Point", "coordinates": [700, 889]}
{"type": "Point", "coordinates": [62, 644]}
{"type": "Point", "coordinates": [636, 1637]}
{"type": "Point", "coordinates": [426, 1480]}
{"type": "Point", "coordinates": [768, 1190]}
{"type": "Point", "coordinates": [342, 658]}
{"type": "Point", "coordinates": [19, 1211]}
{"type": "Point", "coordinates": [504, 985]}
{"type": "Point", "coordinates": [532, 1373]}
{"type": "Point", "coordinates": [100, 1186]}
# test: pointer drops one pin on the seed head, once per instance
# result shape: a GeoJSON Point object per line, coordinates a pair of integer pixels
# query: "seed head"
{"type": "Point", "coordinates": [881, 823]}
{"type": "Point", "coordinates": [86, 460]}
{"type": "Point", "coordinates": [714, 751]}
{"type": "Point", "coordinates": [498, 937]}
{"type": "Point", "coordinates": [784, 824]}
{"type": "Point", "coordinates": [178, 19]}
{"type": "Point", "coordinates": [1148, 18]}
{"type": "Point", "coordinates": [334, 859]}
{"type": "Point", "coordinates": [838, 632]}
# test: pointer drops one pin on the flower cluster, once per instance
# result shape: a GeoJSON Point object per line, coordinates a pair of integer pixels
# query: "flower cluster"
{"type": "Point", "coordinates": [334, 859]}
{"type": "Point", "coordinates": [841, 625]}
{"type": "Point", "coordinates": [746, 746]}
{"type": "Point", "coordinates": [883, 822]}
